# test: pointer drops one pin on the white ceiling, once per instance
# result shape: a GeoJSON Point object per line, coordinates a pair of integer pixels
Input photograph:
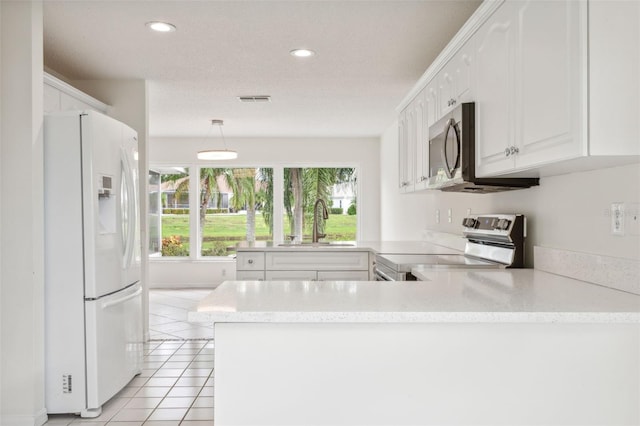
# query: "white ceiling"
{"type": "Point", "coordinates": [369, 55]}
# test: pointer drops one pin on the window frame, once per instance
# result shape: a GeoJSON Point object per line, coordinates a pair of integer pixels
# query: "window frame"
{"type": "Point", "coordinates": [278, 201]}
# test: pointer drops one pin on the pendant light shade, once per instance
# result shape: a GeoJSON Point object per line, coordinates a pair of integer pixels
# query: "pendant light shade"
{"type": "Point", "coordinates": [218, 154]}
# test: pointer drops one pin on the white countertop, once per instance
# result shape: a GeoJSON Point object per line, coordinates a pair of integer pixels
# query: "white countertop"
{"type": "Point", "coordinates": [513, 295]}
{"type": "Point", "coordinates": [382, 247]}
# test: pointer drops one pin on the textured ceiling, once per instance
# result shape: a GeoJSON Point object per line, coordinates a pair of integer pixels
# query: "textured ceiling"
{"type": "Point", "coordinates": [369, 55]}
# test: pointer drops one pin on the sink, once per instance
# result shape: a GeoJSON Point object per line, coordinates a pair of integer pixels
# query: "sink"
{"type": "Point", "coordinates": [320, 244]}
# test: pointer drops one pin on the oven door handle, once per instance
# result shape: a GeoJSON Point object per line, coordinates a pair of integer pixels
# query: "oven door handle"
{"type": "Point", "coordinates": [378, 273]}
{"type": "Point", "coordinates": [451, 123]}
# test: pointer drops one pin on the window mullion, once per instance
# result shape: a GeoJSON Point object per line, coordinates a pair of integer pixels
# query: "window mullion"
{"type": "Point", "coordinates": [194, 212]}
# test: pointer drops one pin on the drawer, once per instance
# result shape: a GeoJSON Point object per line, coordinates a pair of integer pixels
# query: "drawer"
{"type": "Point", "coordinates": [250, 261]}
{"type": "Point", "coordinates": [318, 260]}
{"type": "Point", "coordinates": [291, 275]}
{"type": "Point", "coordinates": [250, 275]}
{"type": "Point", "coordinates": [343, 275]}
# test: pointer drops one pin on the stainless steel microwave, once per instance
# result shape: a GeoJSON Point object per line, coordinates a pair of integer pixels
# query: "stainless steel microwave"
{"type": "Point", "coordinates": [452, 144]}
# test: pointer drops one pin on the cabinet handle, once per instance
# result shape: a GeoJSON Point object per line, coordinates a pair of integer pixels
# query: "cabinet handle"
{"type": "Point", "coordinates": [514, 150]}
{"type": "Point", "coordinates": [453, 101]}
{"type": "Point", "coordinates": [507, 152]}
{"type": "Point", "coordinates": [250, 261]}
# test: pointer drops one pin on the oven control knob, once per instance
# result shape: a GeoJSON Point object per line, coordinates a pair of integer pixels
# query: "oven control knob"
{"type": "Point", "coordinates": [503, 224]}
{"type": "Point", "coordinates": [469, 222]}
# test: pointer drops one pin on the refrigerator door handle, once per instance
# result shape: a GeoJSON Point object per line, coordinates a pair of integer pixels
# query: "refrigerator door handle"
{"type": "Point", "coordinates": [128, 231]}
{"type": "Point", "coordinates": [122, 299]}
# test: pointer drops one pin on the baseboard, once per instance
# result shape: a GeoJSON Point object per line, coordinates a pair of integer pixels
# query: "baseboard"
{"type": "Point", "coordinates": [38, 419]}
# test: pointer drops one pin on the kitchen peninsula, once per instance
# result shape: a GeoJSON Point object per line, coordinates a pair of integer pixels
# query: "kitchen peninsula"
{"type": "Point", "coordinates": [462, 347]}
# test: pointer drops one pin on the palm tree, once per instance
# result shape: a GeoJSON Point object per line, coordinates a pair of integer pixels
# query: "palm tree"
{"type": "Point", "coordinates": [242, 183]}
{"type": "Point", "coordinates": [265, 177]}
{"type": "Point", "coordinates": [318, 183]}
{"type": "Point", "coordinates": [209, 189]}
{"type": "Point", "coordinates": [302, 187]}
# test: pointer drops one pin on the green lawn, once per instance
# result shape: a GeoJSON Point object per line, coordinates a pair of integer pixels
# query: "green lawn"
{"type": "Point", "coordinates": [224, 230]}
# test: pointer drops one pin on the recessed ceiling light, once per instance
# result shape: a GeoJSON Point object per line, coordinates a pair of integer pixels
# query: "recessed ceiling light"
{"type": "Point", "coordinates": [161, 27]}
{"type": "Point", "coordinates": [302, 53]}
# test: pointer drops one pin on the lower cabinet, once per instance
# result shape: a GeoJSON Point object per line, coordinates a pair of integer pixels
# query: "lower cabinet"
{"type": "Point", "coordinates": [249, 275]}
{"type": "Point", "coordinates": [317, 275]}
{"type": "Point", "coordinates": [303, 265]}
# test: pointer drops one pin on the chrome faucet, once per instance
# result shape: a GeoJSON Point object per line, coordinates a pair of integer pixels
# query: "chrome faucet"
{"type": "Point", "coordinates": [325, 215]}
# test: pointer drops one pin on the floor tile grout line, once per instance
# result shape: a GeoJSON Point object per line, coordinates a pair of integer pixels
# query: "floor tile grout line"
{"type": "Point", "coordinates": [173, 386]}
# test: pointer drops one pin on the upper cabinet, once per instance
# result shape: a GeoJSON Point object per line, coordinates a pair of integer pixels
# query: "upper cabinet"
{"type": "Point", "coordinates": [451, 86]}
{"type": "Point", "coordinates": [454, 80]}
{"type": "Point", "coordinates": [555, 84]}
{"type": "Point", "coordinates": [530, 82]}
{"type": "Point", "coordinates": [60, 96]}
{"type": "Point", "coordinates": [614, 82]}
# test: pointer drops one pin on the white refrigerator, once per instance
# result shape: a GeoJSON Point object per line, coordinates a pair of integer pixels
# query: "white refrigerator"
{"type": "Point", "coordinates": [93, 302]}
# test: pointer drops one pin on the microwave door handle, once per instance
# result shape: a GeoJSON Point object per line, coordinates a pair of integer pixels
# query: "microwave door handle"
{"type": "Point", "coordinates": [443, 151]}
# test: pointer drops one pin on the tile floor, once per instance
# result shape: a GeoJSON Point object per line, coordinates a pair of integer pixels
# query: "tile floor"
{"type": "Point", "coordinates": [168, 315]}
{"type": "Point", "coordinates": [176, 384]}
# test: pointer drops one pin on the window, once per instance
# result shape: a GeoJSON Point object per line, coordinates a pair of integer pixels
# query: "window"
{"type": "Point", "coordinates": [304, 187]}
{"type": "Point", "coordinates": [234, 206]}
{"type": "Point", "coordinates": [174, 220]}
{"type": "Point", "coordinates": [237, 204]}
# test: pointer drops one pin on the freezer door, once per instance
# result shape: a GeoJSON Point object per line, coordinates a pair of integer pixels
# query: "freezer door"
{"type": "Point", "coordinates": [114, 343]}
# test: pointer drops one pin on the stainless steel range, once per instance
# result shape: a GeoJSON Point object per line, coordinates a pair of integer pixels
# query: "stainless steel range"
{"type": "Point", "coordinates": [493, 241]}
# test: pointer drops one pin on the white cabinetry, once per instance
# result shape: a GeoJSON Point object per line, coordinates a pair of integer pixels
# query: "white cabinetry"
{"type": "Point", "coordinates": [451, 86]}
{"type": "Point", "coordinates": [614, 82]}
{"type": "Point", "coordinates": [250, 265]}
{"type": "Point", "coordinates": [455, 81]}
{"type": "Point", "coordinates": [60, 96]}
{"type": "Point", "coordinates": [406, 150]}
{"type": "Point", "coordinates": [556, 88]}
{"type": "Point", "coordinates": [306, 265]}
{"type": "Point", "coordinates": [530, 85]}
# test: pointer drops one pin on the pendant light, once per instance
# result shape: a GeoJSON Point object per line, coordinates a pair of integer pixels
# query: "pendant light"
{"type": "Point", "coordinates": [218, 154]}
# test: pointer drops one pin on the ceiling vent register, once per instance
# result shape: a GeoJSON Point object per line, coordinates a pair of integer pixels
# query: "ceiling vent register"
{"type": "Point", "coordinates": [254, 99]}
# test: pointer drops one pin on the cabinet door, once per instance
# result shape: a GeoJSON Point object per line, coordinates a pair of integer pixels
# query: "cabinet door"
{"type": "Point", "coordinates": [494, 63]}
{"type": "Point", "coordinates": [51, 101]}
{"type": "Point", "coordinates": [410, 153]}
{"type": "Point", "coordinates": [250, 261]}
{"type": "Point", "coordinates": [343, 275]}
{"type": "Point", "coordinates": [306, 260]}
{"type": "Point", "coordinates": [549, 81]}
{"type": "Point", "coordinates": [431, 101]}
{"type": "Point", "coordinates": [403, 146]}
{"type": "Point", "coordinates": [462, 69]}
{"type": "Point", "coordinates": [291, 275]}
{"type": "Point", "coordinates": [421, 142]}
{"type": "Point", "coordinates": [250, 275]}
{"type": "Point", "coordinates": [69, 103]}
{"type": "Point", "coordinates": [614, 86]}
{"type": "Point", "coordinates": [446, 88]}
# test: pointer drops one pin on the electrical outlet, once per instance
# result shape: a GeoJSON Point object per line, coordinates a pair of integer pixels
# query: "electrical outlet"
{"type": "Point", "coordinates": [224, 272]}
{"type": "Point", "coordinates": [617, 218]}
{"type": "Point", "coordinates": [449, 215]}
{"type": "Point", "coordinates": [437, 215]}
{"type": "Point", "coordinates": [468, 212]}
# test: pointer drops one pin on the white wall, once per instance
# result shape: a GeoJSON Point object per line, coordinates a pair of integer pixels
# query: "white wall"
{"type": "Point", "coordinates": [362, 153]}
{"type": "Point", "coordinates": [402, 215]}
{"type": "Point", "coordinates": [569, 212]}
{"type": "Point", "coordinates": [22, 211]}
